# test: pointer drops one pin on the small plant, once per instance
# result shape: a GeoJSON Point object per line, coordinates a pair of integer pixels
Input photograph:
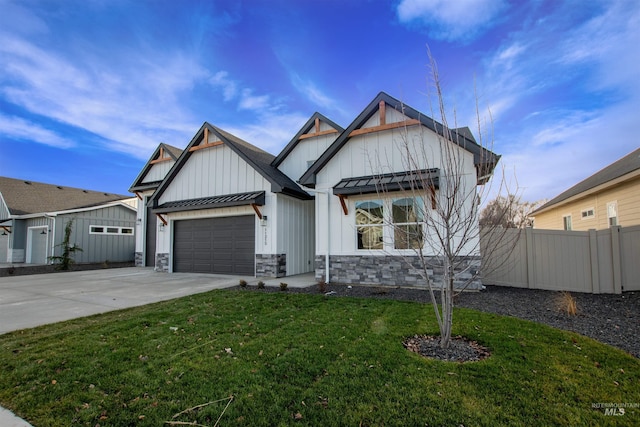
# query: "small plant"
{"type": "Point", "coordinates": [322, 286]}
{"type": "Point", "coordinates": [243, 283]}
{"type": "Point", "coordinates": [567, 304]}
{"type": "Point", "coordinates": [260, 284]}
{"type": "Point", "coordinates": [64, 261]}
{"type": "Point", "coordinates": [283, 286]}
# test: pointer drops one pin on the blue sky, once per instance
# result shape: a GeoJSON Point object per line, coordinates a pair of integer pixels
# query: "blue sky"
{"type": "Point", "coordinates": [89, 88]}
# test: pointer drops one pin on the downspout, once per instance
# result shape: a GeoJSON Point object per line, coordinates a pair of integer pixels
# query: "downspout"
{"type": "Point", "coordinates": [326, 257]}
{"type": "Point", "coordinates": [53, 234]}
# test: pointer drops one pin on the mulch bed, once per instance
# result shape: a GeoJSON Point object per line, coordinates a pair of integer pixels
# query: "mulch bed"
{"type": "Point", "coordinates": [611, 319]}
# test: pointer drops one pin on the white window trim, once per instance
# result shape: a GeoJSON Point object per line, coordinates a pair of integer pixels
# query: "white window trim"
{"type": "Point", "coordinates": [583, 211]}
{"type": "Point", "coordinates": [105, 233]}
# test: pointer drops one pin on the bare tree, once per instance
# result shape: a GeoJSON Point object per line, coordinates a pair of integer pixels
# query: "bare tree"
{"type": "Point", "coordinates": [509, 212]}
{"type": "Point", "coordinates": [438, 218]}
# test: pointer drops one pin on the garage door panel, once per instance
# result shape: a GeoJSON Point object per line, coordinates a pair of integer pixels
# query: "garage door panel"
{"type": "Point", "coordinates": [215, 245]}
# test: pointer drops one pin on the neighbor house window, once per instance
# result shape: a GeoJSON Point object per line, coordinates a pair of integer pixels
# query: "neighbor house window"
{"type": "Point", "coordinates": [588, 213]}
{"type": "Point", "coordinates": [369, 222]}
{"type": "Point", "coordinates": [407, 223]}
{"type": "Point", "coordinates": [612, 213]}
{"type": "Point", "coordinates": [100, 229]}
{"type": "Point", "coordinates": [567, 222]}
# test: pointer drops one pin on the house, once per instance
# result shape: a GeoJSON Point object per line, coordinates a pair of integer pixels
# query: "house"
{"type": "Point", "coordinates": [33, 216]}
{"type": "Point", "coordinates": [226, 206]}
{"type": "Point", "coordinates": [607, 198]}
{"type": "Point", "coordinates": [145, 184]}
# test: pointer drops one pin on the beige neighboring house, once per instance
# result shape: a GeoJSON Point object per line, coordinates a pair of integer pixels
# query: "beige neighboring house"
{"type": "Point", "coordinates": [607, 198]}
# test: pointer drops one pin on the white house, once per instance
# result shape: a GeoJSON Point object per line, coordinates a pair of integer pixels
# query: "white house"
{"type": "Point", "coordinates": [145, 184]}
{"type": "Point", "coordinates": [228, 207]}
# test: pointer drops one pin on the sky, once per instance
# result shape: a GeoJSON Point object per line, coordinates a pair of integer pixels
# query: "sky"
{"type": "Point", "coordinates": [89, 88]}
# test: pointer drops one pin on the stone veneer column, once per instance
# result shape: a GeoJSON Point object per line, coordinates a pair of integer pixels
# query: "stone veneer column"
{"type": "Point", "coordinates": [271, 265]}
{"type": "Point", "coordinates": [162, 263]}
{"type": "Point", "coordinates": [138, 259]}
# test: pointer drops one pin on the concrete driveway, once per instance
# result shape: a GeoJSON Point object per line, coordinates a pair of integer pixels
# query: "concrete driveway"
{"type": "Point", "coordinates": [34, 300]}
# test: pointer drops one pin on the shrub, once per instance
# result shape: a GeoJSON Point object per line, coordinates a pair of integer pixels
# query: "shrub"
{"type": "Point", "coordinates": [243, 283]}
{"type": "Point", "coordinates": [260, 284]}
{"type": "Point", "coordinates": [322, 286]}
{"type": "Point", "coordinates": [283, 286]}
{"type": "Point", "coordinates": [567, 304]}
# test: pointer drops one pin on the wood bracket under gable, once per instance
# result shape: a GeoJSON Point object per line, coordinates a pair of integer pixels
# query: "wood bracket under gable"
{"type": "Point", "coordinates": [137, 193]}
{"type": "Point", "coordinates": [161, 158]}
{"type": "Point", "coordinates": [6, 229]}
{"type": "Point", "coordinates": [255, 208]}
{"type": "Point", "coordinates": [205, 142]}
{"type": "Point", "coordinates": [342, 198]}
{"type": "Point", "coordinates": [382, 112]}
{"type": "Point", "coordinates": [164, 221]}
{"type": "Point", "coordinates": [317, 131]}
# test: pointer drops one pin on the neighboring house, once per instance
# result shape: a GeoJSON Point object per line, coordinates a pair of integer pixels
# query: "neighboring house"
{"type": "Point", "coordinates": [146, 183]}
{"type": "Point", "coordinates": [33, 216]}
{"type": "Point", "coordinates": [228, 207]}
{"type": "Point", "coordinates": [607, 198]}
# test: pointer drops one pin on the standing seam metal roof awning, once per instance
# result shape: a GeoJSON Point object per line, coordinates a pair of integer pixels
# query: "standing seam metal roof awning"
{"type": "Point", "coordinates": [240, 199]}
{"type": "Point", "coordinates": [399, 181]}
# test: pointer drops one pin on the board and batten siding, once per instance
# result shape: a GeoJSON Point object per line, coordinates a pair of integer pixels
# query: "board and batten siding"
{"type": "Point", "coordinates": [378, 153]}
{"type": "Point", "coordinates": [296, 236]}
{"type": "Point", "coordinates": [626, 195]}
{"type": "Point", "coordinates": [99, 247]}
{"type": "Point", "coordinates": [4, 210]}
{"type": "Point", "coordinates": [307, 150]}
{"type": "Point", "coordinates": [158, 171]}
{"type": "Point", "coordinates": [43, 222]}
{"type": "Point", "coordinates": [213, 172]}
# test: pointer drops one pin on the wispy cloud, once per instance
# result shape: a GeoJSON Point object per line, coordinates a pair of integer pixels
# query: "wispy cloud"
{"type": "Point", "coordinates": [451, 20]}
{"type": "Point", "coordinates": [24, 130]}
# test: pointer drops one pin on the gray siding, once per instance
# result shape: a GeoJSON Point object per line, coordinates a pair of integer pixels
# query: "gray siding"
{"type": "Point", "coordinates": [4, 210]}
{"type": "Point", "coordinates": [99, 247]}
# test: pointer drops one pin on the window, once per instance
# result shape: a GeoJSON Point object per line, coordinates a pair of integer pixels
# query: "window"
{"type": "Point", "coordinates": [369, 221]}
{"type": "Point", "coordinates": [567, 222]}
{"type": "Point", "coordinates": [612, 213]}
{"type": "Point", "coordinates": [98, 229]}
{"type": "Point", "coordinates": [588, 213]}
{"type": "Point", "coordinates": [407, 227]}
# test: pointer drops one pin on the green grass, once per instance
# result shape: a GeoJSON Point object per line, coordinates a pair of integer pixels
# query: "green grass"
{"type": "Point", "coordinates": [332, 361]}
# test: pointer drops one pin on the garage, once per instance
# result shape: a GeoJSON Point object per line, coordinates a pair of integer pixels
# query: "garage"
{"type": "Point", "coordinates": [215, 245]}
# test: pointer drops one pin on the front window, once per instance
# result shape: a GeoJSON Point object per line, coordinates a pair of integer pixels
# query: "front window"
{"type": "Point", "coordinates": [407, 223]}
{"type": "Point", "coordinates": [369, 221]}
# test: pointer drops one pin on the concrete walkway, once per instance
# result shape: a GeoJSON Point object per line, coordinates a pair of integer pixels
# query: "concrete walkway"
{"type": "Point", "coordinates": [35, 300]}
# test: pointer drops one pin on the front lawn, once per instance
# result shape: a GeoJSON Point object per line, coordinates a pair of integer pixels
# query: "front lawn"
{"type": "Point", "coordinates": [294, 359]}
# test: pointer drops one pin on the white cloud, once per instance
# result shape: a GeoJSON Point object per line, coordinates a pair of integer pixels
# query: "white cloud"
{"type": "Point", "coordinates": [451, 20]}
{"type": "Point", "coordinates": [271, 132]}
{"type": "Point", "coordinates": [249, 101]}
{"type": "Point", "coordinates": [229, 87]}
{"type": "Point", "coordinates": [24, 130]}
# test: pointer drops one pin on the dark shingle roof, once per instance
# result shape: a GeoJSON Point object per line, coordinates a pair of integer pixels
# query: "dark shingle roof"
{"type": "Point", "coordinates": [484, 159]}
{"type": "Point", "coordinates": [27, 197]}
{"type": "Point", "coordinates": [259, 159]}
{"type": "Point", "coordinates": [625, 165]}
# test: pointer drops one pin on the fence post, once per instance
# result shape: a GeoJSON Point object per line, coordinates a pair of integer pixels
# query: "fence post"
{"type": "Point", "coordinates": [593, 259]}
{"type": "Point", "coordinates": [616, 259]}
{"type": "Point", "coordinates": [528, 234]}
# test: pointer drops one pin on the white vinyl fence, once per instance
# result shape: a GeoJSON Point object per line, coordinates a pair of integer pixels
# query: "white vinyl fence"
{"type": "Point", "coordinates": [599, 262]}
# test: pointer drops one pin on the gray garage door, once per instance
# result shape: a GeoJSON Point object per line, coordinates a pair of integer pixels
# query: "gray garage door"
{"type": "Point", "coordinates": [215, 245]}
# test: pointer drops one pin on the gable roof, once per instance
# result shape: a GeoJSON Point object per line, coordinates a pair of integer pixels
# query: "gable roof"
{"type": "Point", "coordinates": [28, 197]}
{"type": "Point", "coordinates": [617, 169]}
{"type": "Point", "coordinates": [316, 117]}
{"type": "Point", "coordinates": [173, 152]}
{"type": "Point", "coordinates": [484, 159]}
{"type": "Point", "coordinates": [257, 158]}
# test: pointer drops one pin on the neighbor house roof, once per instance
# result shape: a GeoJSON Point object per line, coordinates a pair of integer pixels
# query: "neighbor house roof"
{"type": "Point", "coordinates": [159, 153]}
{"type": "Point", "coordinates": [316, 117]}
{"type": "Point", "coordinates": [618, 169]}
{"type": "Point", "coordinates": [259, 159]}
{"type": "Point", "coordinates": [24, 197]}
{"type": "Point", "coordinates": [484, 159]}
